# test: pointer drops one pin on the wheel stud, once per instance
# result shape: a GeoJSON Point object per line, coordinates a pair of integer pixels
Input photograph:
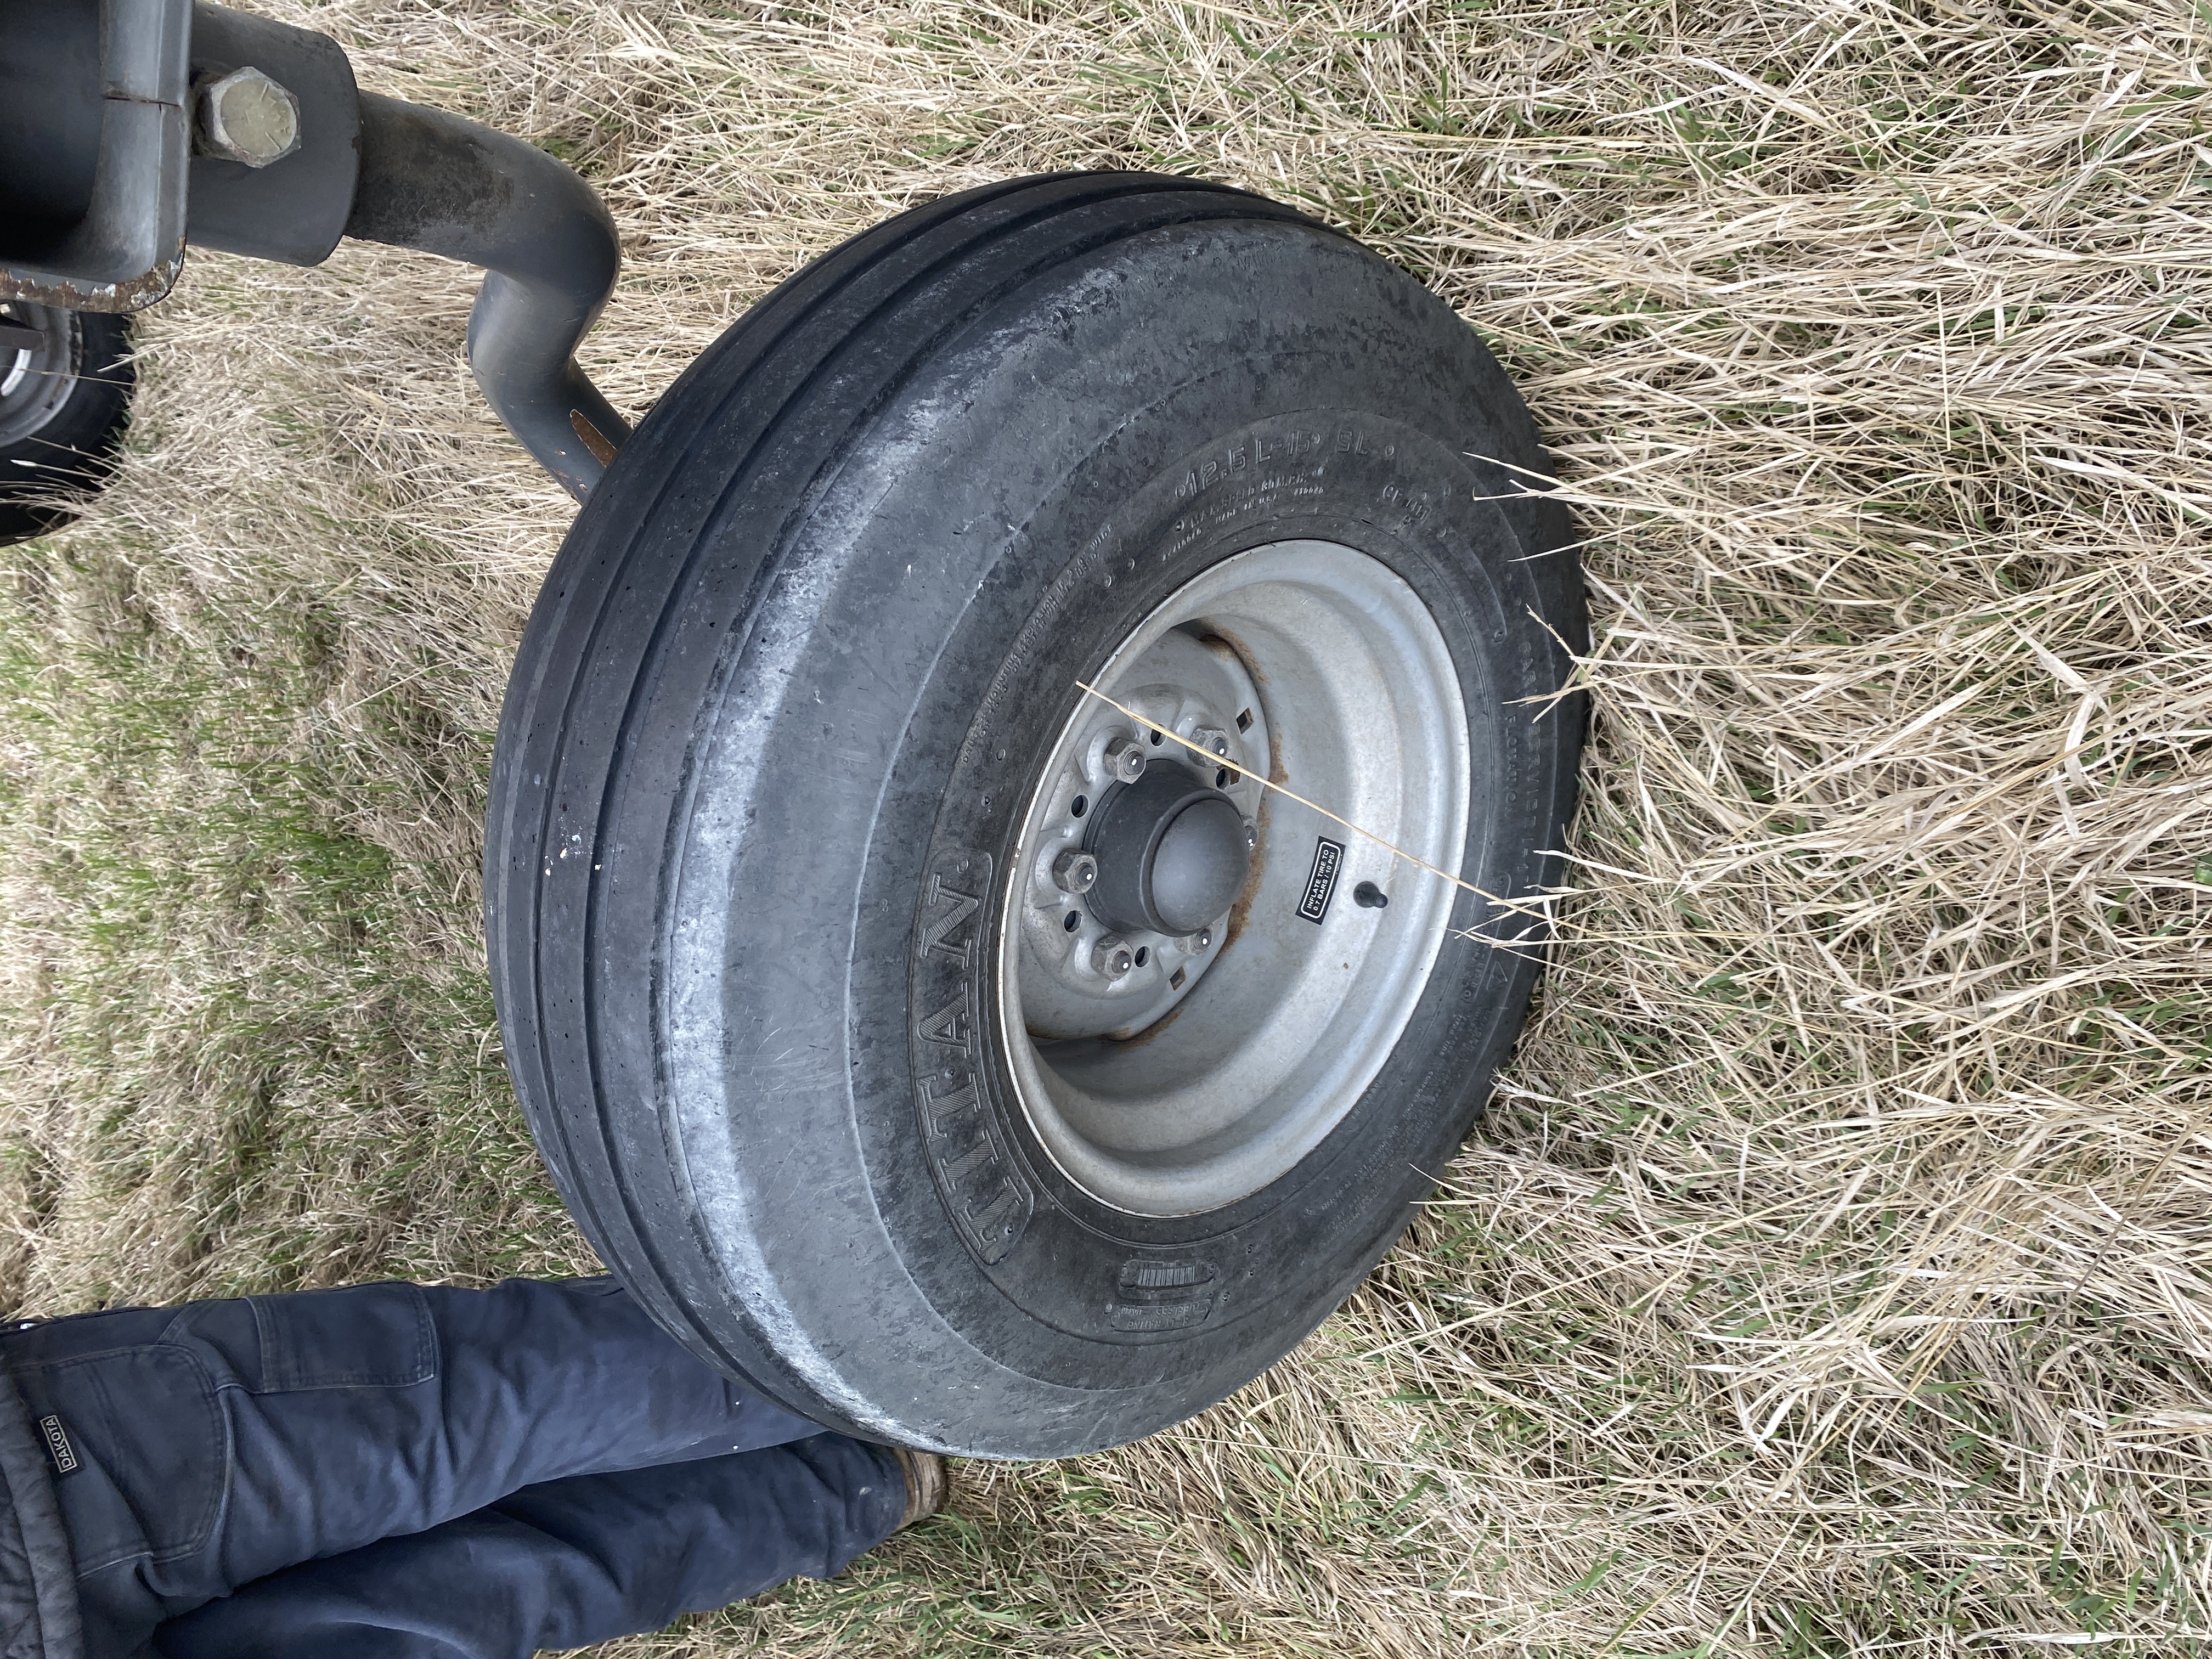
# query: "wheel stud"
{"type": "Point", "coordinates": [1075, 872]}
{"type": "Point", "coordinates": [1125, 760]}
{"type": "Point", "coordinates": [1251, 835]}
{"type": "Point", "coordinates": [1112, 956]}
{"type": "Point", "coordinates": [1212, 739]}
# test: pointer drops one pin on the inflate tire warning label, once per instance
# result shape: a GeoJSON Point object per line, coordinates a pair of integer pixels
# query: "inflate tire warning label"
{"type": "Point", "coordinates": [1320, 884]}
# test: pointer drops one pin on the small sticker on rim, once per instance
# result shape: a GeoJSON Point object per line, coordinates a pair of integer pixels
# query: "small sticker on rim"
{"type": "Point", "coordinates": [1320, 884]}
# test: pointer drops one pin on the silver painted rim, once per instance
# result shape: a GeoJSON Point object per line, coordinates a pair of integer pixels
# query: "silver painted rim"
{"type": "Point", "coordinates": [36, 382]}
{"type": "Point", "coordinates": [1208, 1066]}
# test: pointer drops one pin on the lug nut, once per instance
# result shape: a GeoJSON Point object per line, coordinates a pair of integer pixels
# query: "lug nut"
{"type": "Point", "coordinates": [1125, 759]}
{"type": "Point", "coordinates": [1112, 956]}
{"type": "Point", "coordinates": [246, 117]}
{"type": "Point", "coordinates": [1075, 872]}
{"type": "Point", "coordinates": [1204, 940]}
{"type": "Point", "coordinates": [1251, 835]}
{"type": "Point", "coordinates": [1212, 739]}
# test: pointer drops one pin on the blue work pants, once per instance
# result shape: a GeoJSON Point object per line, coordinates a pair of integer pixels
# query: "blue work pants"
{"type": "Point", "coordinates": [404, 1472]}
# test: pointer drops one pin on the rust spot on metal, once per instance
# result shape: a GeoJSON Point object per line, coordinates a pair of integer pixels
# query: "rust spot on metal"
{"type": "Point", "coordinates": [1243, 908]}
{"type": "Point", "coordinates": [1139, 1039]}
{"type": "Point", "coordinates": [593, 439]}
{"type": "Point", "coordinates": [69, 295]}
{"type": "Point", "coordinates": [1227, 644]}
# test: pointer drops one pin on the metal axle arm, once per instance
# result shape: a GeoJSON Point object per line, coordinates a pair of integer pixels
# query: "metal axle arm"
{"type": "Point", "coordinates": [445, 186]}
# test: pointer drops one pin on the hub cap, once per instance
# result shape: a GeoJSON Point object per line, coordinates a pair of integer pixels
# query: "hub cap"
{"type": "Point", "coordinates": [1172, 854]}
{"type": "Point", "coordinates": [1192, 996]}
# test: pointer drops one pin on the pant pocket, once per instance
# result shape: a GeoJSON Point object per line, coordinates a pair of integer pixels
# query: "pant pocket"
{"type": "Point", "coordinates": [363, 1336]}
{"type": "Point", "coordinates": [150, 1447]}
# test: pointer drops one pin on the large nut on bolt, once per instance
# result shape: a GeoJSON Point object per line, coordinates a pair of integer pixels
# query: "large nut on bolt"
{"type": "Point", "coordinates": [1075, 872]}
{"type": "Point", "coordinates": [246, 117]}
{"type": "Point", "coordinates": [1112, 956]}
{"type": "Point", "coordinates": [1212, 739]}
{"type": "Point", "coordinates": [1125, 760]}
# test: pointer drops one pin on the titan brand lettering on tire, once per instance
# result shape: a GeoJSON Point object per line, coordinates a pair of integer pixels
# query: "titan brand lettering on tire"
{"type": "Point", "coordinates": [946, 908]}
{"type": "Point", "coordinates": [949, 1026]}
{"type": "Point", "coordinates": [987, 1199]}
{"type": "Point", "coordinates": [989, 1204]}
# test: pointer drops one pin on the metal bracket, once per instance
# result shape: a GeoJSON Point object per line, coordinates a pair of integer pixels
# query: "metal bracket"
{"type": "Point", "coordinates": [95, 174]}
{"type": "Point", "coordinates": [104, 82]}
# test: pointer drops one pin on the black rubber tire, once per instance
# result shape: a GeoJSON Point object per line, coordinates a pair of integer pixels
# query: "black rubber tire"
{"type": "Point", "coordinates": [70, 453]}
{"type": "Point", "coordinates": [827, 579]}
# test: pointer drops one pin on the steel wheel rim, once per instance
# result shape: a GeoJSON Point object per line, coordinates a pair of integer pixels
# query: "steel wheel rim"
{"type": "Point", "coordinates": [36, 381]}
{"type": "Point", "coordinates": [1167, 1099]}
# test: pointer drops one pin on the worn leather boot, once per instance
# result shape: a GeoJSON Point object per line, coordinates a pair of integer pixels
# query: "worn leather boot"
{"type": "Point", "coordinates": [925, 1484]}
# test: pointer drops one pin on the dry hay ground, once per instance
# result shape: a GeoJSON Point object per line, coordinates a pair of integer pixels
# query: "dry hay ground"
{"type": "Point", "coordinates": [1830, 1274]}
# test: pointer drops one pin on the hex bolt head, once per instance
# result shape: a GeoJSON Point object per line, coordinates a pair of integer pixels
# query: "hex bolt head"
{"type": "Point", "coordinates": [246, 117]}
{"type": "Point", "coordinates": [1125, 760]}
{"type": "Point", "coordinates": [1112, 956]}
{"type": "Point", "coordinates": [1212, 739]}
{"type": "Point", "coordinates": [1075, 872]}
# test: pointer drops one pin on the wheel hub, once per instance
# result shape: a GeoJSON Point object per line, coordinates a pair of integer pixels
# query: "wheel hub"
{"type": "Point", "coordinates": [1171, 853]}
{"type": "Point", "coordinates": [1136, 854]}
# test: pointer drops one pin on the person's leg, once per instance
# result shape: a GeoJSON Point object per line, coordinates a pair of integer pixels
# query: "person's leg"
{"type": "Point", "coordinates": [218, 1443]}
{"type": "Point", "coordinates": [568, 1563]}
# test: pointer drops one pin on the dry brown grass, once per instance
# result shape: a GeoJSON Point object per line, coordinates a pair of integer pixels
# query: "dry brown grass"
{"type": "Point", "coordinates": [1832, 1276]}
